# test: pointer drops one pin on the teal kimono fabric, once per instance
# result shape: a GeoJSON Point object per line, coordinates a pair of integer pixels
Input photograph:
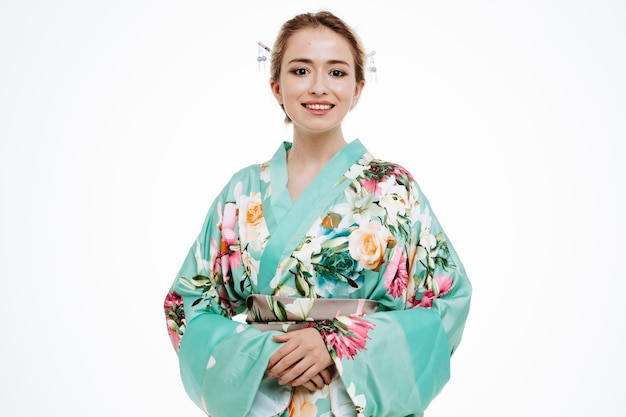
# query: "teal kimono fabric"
{"type": "Point", "coordinates": [361, 230]}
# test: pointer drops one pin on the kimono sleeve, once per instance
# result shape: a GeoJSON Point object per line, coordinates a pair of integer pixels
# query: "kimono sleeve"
{"type": "Point", "coordinates": [222, 361]}
{"type": "Point", "coordinates": [393, 363]}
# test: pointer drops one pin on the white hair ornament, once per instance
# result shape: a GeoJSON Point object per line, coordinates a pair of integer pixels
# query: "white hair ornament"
{"type": "Point", "coordinates": [261, 58]}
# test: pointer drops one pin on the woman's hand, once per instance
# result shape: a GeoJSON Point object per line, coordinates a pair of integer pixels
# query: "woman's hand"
{"type": "Point", "coordinates": [320, 380]}
{"type": "Point", "coordinates": [302, 360]}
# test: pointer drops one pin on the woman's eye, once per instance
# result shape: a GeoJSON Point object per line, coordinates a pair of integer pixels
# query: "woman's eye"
{"type": "Point", "coordinates": [337, 73]}
{"type": "Point", "coordinates": [300, 71]}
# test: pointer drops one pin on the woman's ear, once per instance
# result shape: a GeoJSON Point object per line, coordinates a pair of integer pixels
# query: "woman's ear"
{"type": "Point", "coordinates": [276, 91]}
{"type": "Point", "coordinates": [358, 89]}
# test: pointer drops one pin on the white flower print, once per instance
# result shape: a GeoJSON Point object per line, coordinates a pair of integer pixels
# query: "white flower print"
{"type": "Point", "coordinates": [301, 307]}
{"type": "Point", "coordinates": [285, 291]}
{"type": "Point", "coordinates": [203, 265]}
{"type": "Point", "coordinates": [251, 265]}
{"type": "Point", "coordinates": [427, 239]}
{"type": "Point", "coordinates": [414, 205]}
{"type": "Point", "coordinates": [306, 251]}
{"type": "Point", "coordinates": [285, 265]}
{"type": "Point", "coordinates": [358, 210]}
{"type": "Point", "coordinates": [251, 221]}
{"type": "Point", "coordinates": [359, 400]}
{"type": "Point", "coordinates": [428, 242]}
{"type": "Point", "coordinates": [393, 199]}
{"type": "Point", "coordinates": [355, 171]}
{"type": "Point", "coordinates": [265, 173]}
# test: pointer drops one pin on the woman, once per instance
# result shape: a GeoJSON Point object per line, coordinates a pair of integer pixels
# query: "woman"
{"type": "Point", "coordinates": [354, 297]}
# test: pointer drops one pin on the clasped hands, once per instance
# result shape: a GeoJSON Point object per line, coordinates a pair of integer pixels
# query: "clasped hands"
{"type": "Point", "coordinates": [302, 360]}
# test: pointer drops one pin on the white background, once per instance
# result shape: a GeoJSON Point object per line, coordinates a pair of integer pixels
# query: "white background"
{"type": "Point", "coordinates": [120, 121]}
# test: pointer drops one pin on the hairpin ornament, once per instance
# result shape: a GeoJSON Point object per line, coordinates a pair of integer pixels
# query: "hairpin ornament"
{"type": "Point", "coordinates": [371, 65]}
{"type": "Point", "coordinates": [262, 58]}
{"type": "Point", "coordinates": [264, 46]}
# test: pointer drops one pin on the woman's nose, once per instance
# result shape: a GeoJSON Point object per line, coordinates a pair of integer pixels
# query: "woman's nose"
{"type": "Point", "coordinates": [318, 84]}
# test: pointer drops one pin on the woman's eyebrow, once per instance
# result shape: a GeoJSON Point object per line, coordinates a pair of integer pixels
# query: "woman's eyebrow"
{"type": "Point", "coordinates": [310, 61]}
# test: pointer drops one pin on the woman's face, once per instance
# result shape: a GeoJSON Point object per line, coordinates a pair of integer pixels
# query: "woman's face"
{"type": "Point", "coordinates": [317, 84]}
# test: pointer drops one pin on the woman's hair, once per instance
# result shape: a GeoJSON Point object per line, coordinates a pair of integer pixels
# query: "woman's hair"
{"type": "Point", "coordinates": [316, 20]}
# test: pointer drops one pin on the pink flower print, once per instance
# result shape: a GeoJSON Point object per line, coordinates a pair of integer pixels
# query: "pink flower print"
{"type": "Point", "coordinates": [444, 284]}
{"type": "Point", "coordinates": [345, 336]}
{"type": "Point", "coordinates": [358, 326]}
{"type": "Point", "coordinates": [172, 300]}
{"type": "Point", "coordinates": [229, 247]}
{"type": "Point", "coordinates": [396, 277]}
{"type": "Point", "coordinates": [176, 339]}
{"type": "Point", "coordinates": [213, 253]}
{"type": "Point", "coordinates": [400, 282]}
{"type": "Point", "coordinates": [426, 301]}
{"type": "Point", "coordinates": [229, 220]}
{"type": "Point", "coordinates": [399, 171]}
{"type": "Point", "coordinates": [174, 317]}
{"type": "Point", "coordinates": [378, 171]}
{"type": "Point", "coordinates": [234, 258]}
{"type": "Point", "coordinates": [226, 301]}
{"type": "Point", "coordinates": [225, 267]}
{"type": "Point", "coordinates": [371, 186]}
{"type": "Point", "coordinates": [220, 265]}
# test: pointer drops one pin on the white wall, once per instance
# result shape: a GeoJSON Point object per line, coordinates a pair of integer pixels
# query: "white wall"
{"type": "Point", "coordinates": [120, 120]}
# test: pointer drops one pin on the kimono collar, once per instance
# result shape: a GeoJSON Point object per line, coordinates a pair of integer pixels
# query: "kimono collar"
{"type": "Point", "coordinates": [277, 201]}
{"type": "Point", "coordinates": [278, 164]}
{"type": "Point", "coordinates": [288, 222]}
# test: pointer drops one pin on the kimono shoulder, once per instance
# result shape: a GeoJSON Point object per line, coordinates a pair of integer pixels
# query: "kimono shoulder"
{"type": "Point", "coordinates": [244, 180]}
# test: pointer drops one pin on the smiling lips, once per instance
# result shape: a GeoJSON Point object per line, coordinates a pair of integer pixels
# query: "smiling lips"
{"type": "Point", "coordinates": [316, 106]}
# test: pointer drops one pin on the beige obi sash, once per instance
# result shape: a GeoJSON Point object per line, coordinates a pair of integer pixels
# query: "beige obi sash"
{"type": "Point", "coordinates": [267, 312]}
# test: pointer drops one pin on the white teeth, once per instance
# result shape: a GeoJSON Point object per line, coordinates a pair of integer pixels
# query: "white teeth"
{"type": "Point", "coordinates": [319, 106]}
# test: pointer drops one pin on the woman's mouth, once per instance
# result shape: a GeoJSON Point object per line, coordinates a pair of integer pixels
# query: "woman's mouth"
{"type": "Point", "coordinates": [318, 106]}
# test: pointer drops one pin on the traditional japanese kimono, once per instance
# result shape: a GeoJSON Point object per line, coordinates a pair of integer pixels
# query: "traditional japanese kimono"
{"type": "Point", "coordinates": [359, 256]}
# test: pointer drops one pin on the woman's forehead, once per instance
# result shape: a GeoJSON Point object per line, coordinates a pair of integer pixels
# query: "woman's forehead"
{"type": "Point", "coordinates": [318, 43]}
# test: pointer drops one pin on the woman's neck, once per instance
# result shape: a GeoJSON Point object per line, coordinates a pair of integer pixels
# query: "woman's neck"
{"type": "Point", "coordinates": [313, 151]}
{"type": "Point", "coordinates": [308, 155]}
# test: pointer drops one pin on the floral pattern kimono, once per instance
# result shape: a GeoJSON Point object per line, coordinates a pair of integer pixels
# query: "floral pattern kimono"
{"type": "Point", "coordinates": [359, 255]}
